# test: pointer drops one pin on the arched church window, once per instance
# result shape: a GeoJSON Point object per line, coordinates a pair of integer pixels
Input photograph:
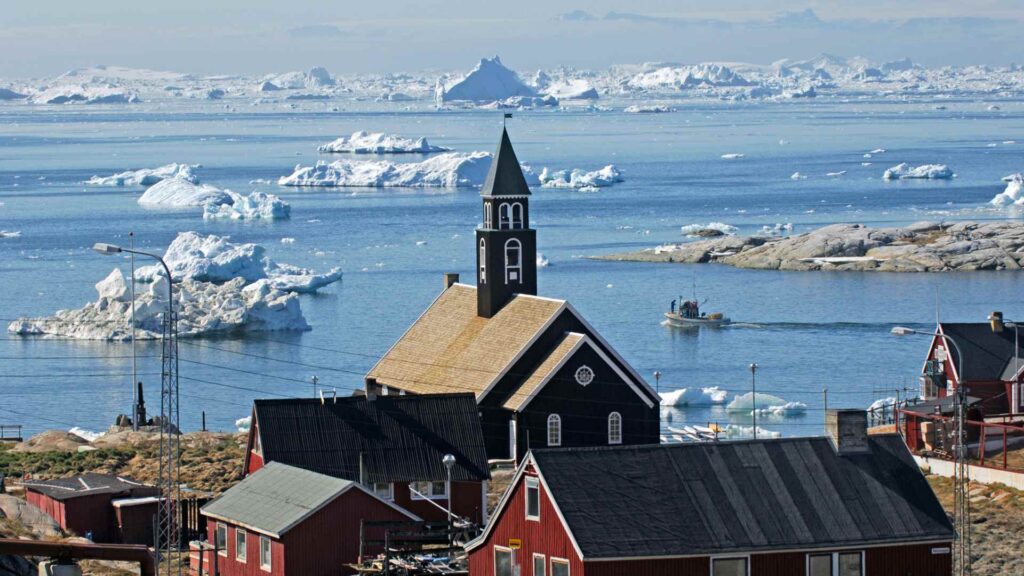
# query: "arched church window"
{"type": "Point", "coordinates": [554, 430]}
{"type": "Point", "coordinates": [504, 216]}
{"type": "Point", "coordinates": [483, 262]}
{"type": "Point", "coordinates": [513, 261]}
{"type": "Point", "coordinates": [517, 216]}
{"type": "Point", "coordinates": [488, 219]}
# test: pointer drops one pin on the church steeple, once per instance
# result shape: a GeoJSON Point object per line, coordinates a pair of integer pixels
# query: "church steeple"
{"type": "Point", "coordinates": [506, 246]}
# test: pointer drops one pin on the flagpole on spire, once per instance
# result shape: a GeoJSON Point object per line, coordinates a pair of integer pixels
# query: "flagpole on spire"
{"type": "Point", "coordinates": [505, 119]}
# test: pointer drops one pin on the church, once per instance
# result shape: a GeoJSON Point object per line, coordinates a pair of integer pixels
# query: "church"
{"type": "Point", "coordinates": [541, 374]}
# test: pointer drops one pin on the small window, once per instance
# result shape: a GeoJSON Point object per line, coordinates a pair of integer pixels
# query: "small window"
{"type": "Point", "coordinates": [384, 490]}
{"type": "Point", "coordinates": [221, 539]}
{"type": "Point", "coordinates": [513, 261]}
{"type": "Point", "coordinates": [532, 499]}
{"type": "Point", "coordinates": [539, 565]}
{"type": "Point", "coordinates": [239, 544]}
{"type": "Point", "coordinates": [502, 562]}
{"type": "Point", "coordinates": [554, 430]}
{"type": "Point", "coordinates": [819, 565]}
{"type": "Point", "coordinates": [559, 567]}
{"type": "Point", "coordinates": [428, 490]}
{"type": "Point", "coordinates": [851, 564]}
{"type": "Point", "coordinates": [483, 261]}
{"type": "Point", "coordinates": [729, 567]}
{"type": "Point", "coordinates": [265, 560]}
{"type": "Point", "coordinates": [615, 428]}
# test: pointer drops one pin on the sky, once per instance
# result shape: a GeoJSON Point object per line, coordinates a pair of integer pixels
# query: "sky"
{"type": "Point", "coordinates": [40, 39]}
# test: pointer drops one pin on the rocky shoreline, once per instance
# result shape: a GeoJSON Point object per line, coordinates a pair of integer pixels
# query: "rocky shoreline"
{"type": "Point", "coordinates": [919, 247]}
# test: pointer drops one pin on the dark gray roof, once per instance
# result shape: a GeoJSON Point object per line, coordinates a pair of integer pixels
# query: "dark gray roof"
{"type": "Point", "coordinates": [944, 405]}
{"type": "Point", "coordinates": [89, 484]}
{"type": "Point", "coordinates": [396, 438]}
{"type": "Point", "coordinates": [276, 498]}
{"type": "Point", "coordinates": [793, 493]}
{"type": "Point", "coordinates": [987, 355]}
{"type": "Point", "coordinates": [505, 178]}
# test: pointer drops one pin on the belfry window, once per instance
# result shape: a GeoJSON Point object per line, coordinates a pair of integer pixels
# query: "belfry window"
{"type": "Point", "coordinates": [513, 261]}
{"type": "Point", "coordinates": [504, 216]}
{"type": "Point", "coordinates": [483, 261]}
{"type": "Point", "coordinates": [517, 216]}
{"type": "Point", "coordinates": [488, 219]}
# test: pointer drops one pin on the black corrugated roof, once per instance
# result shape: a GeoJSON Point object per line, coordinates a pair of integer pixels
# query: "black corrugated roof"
{"type": "Point", "coordinates": [401, 438]}
{"type": "Point", "coordinates": [87, 484]}
{"type": "Point", "coordinates": [987, 354]}
{"type": "Point", "coordinates": [695, 499]}
{"type": "Point", "coordinates": [505, 177]}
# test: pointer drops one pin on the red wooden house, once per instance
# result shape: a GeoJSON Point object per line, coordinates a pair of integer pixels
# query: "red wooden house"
{"type": "Point", "coordinates": [105, 508]}
{"type": "Point", "coordinates": [393, 445]}
{"type": "Point", "coordinates": [844, 505]}
{"type": "Point", "coordinates": [286, 520]}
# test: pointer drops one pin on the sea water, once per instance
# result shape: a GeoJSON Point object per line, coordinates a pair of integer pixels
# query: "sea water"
{"type": "Point", "coordinates": [807, 331]}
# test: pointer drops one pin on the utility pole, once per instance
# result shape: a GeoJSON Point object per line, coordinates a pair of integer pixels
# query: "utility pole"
{"type": "Point", "coordinates": [315, 380]}
{"type": "Point", "coordinates": [753, 394]}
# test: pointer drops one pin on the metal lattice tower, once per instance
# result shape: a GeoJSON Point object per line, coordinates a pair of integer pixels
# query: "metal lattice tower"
{"type": "Point", "coordinates": [168, 531]}
{"type": "Point", "coordinates": [962, 487]}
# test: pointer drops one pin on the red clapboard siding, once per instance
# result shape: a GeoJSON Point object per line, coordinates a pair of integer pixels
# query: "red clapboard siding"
{"type": "Point", "coordinates": [666, 567]}
{"type": "Point", "coordinates": [547, 537]}
{"type": "Point", "coordinates": [467, 498]}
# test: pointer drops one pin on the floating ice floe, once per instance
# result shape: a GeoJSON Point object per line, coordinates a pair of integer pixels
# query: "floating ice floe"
{"type": "Point", "coordinates": [647, 109]}
{"type": "Point", "coordinates": [448, 170]}
{"type": "Point", "coordinates": [489, 81]}
{"type": "Point", "coordinates": [580, 179]}
{"type": "Point", "coordinates": [797, 176]}
{"type": "Point", "coordinates": [10, 233]}
{"type": "Point", "coordinates": [243, 424]}
{"type": "Point", "coordinates": [379, 143]}
{"type": "Point", "coordinates": [779, 229]}
{"type": "Point", "coordinates": [711, 396]}
{"type": "Point", "coordinates": [147, 176]}
{"type": "Point", "coordinates": [179, 193]}
{"type": "Point", "coordinates": [737, 431]}
{"type": "Point", "coordinates": [521, 102]}
{"type": "Point", "coordinates": [255, 206]}
{"type": "Point", "coordinates": [1013, 195]}
{"type": "Point", "coordinates": [708, 230]}
{"type": "Point", "coordinates": [732, 156]}
{"type": "Point", "coordinates": [926, 171]}
{"type": "Point", "coordinates": [214, 259]}
{"type": "Point", "coordinates": [542, 261]}
{"type": "Point", "coordinates": [84, 95]}
{"type": "Point", "coordinates": [202, 308]}
{"type": "Point", "coordinates": [836, 174]}
{"type": "Point", "coordinates": [766, 404]}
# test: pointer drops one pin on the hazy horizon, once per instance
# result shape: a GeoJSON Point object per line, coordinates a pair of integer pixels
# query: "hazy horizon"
{"type": "Point", "coordinates": [259, 36]}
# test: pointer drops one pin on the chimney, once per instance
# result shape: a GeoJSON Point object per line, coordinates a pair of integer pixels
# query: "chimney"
{"type": "Point", "coordinates": [449, 279]}
{"type": "Point", "coordinates": [848, 430]}
{"type": "Point", "coordinates": [372, 389]}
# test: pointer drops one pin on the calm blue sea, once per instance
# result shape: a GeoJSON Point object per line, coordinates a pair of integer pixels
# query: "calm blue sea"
{"type": "Point", "coordinates": [806, 331]}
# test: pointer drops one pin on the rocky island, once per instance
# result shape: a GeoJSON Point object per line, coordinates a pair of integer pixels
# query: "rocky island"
{"type": "Point", "coordinates": [919, 247]}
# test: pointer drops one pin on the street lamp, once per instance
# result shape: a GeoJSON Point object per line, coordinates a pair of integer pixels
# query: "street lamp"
{"type": "Point", "coordinates": [657, 380]}
{"type": "Point", "coordinates": [449, 462]}
{"type": "Point", "coordinates": [753, 394]}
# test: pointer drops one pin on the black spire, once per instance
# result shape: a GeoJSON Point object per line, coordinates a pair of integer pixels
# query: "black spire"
{"type": "Point", "coordinates": [505, 178]}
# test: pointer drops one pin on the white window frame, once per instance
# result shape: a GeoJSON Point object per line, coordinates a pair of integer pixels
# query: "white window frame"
{"type": "Point", "coordinates": [745, 557]}
{"type": "Point", "coordinates": [483, 261]}
{"type": "Point", "coordinates": [223, 549]}
{"type": "Point", "coordinates": [516, 216]}
{"type": "Point", "coordinates": [269, 566]}
{"type": "Point", "coordinates": [390, 496]}
{"type": "Point", "coordinates": [557, 421]}
{"type": "Point", "coordinates": [516, 246]}
{"type": "Point", "coordinates": [532, 484]}
{"type": "Point", "coordinates": [511, 554]}
{"type": "Point", "coordinates": [543, 564]}
{"type": "Point", "coordinates": [429, 493]}
{"type": "Point", "coordinates": [241, 533]}
{"type": "Point", "coordinates": [554, 560]}
{"type": "Point", "coordinates": [616, 419]}
{"type": "Point", "coordinates": [504, 216]}
{"type": "Point", "coordinates": [835, 560]}
{"type": "Point", "coordinates": [488, 218]}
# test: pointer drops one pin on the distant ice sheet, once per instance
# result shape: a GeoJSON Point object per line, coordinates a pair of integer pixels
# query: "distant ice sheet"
{"type": "Point", "coordinates": [448, 170]}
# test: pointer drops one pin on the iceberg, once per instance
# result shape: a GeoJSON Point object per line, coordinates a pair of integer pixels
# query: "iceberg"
{"type": "Point", "coordinates": [732, 156]}
{"type": "Point", "coordinates": [87, 435]}
{"type": "Point", "coordinates": [8, 94]}
{"type": "Point", "coordinates": [580, 179]}
{"type": "Point", "coordinates": [736, 431]}
{"type": "Point", "coordinates": [255, 206]}
{"type": "Point", "coordinates": [214, 259]}
{"type": "Point", "coordinates": [682, 78]}
{"type": "Point", "coordinates": [243, 424]}
{"type": "Point", "coordinates": [647, 109]}
{"type": "Point", "coordinates": [1013, 195]}
{"type": "Point", "coordinates": [180, 193]}
{"type": "Point", "coordinates": [542, 261]}
{"type": "Point", "coordinates": [521, 102]}
{"type": "Point", "coordinates": [380, 143]}
{"type": "Point", "coordinates": [10, 233]}
{"type": "Point", "coordinates": [927, 171]}
{"type": "Point", "coordinates": [147, 176]}
{"type": "Point", "coordinates": [745, 402]}
{"type": "Point", "coordinates": [708, 230]}
{"type": "Point", "coordinates": [448, 170]}
{"type": "Point", "coordinates": [489, 81]}
{"type": "Point", "coordinates": [84, 95]}
{"type": "Point", "coordinates": [572, 90]}
{"type": "Point", "coordinates": [711, 396]}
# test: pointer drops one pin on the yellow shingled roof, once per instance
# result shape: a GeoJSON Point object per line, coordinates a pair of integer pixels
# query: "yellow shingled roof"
{"type": "Point", "coordinates": [545, 370]}
{"type": "Point", "coordinates": [451, 349]}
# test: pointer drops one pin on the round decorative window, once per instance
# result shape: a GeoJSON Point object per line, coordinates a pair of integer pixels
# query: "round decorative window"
{"type": "Point", "coordinates": [584, 375]}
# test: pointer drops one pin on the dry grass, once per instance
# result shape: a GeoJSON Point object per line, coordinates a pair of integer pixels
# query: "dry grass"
{"type": "Point", "coordinates": [997, 518]}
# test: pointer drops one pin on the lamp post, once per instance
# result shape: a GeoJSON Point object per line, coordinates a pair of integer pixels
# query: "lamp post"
{"type": "Point", "coordinates": [449, 462]}
{"type": "Point", "coordinates": [962, 506]}
{"type": "Point", "coordinates": [753, 394]}
{"type": "Point", "coordinates": [657, 380]}
{"type": "Point", "coordinates": [168, 536]}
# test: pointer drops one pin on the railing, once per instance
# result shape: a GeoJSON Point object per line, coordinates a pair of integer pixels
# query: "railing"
{"type": "Point", "coordinates": [997, 445]}
{"type": "Point", "coordinates": [10, 433]}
